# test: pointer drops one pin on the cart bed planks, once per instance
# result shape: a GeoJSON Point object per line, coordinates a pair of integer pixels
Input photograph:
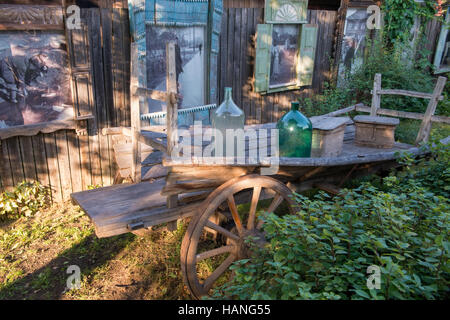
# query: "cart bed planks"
{"type": "Point", "coordinates": [125, 207]}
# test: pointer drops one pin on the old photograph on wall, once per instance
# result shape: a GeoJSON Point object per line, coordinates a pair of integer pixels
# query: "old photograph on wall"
{"type": "Point", "coordinates": [353, 42]}
{"type": "Point", "coordinates": [190, 61]}
{"type": "Point", "coordinates": [34, 78]}
{"type": "Point", "coordinates": [284, 55]}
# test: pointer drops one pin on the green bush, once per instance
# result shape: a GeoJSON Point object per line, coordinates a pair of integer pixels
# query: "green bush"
{"type": "Point", "coordinates": [25, 200]}
{"type": "Point", "coordinates": [398, 71]}
{"type": "Point", "coordinates": [324, 251]}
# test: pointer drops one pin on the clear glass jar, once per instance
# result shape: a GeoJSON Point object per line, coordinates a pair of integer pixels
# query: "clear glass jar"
{"type": "Point", "coordinates": [227, 116]}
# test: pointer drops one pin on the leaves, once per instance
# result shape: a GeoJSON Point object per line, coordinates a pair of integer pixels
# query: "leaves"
{"type": "Point", "coordinates": [26, 200]}
{"type": "Point", "coordinates": [323, 251]}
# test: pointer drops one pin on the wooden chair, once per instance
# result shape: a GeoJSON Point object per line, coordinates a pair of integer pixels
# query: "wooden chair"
{"type": "Point", "coordinates": [427, 119]}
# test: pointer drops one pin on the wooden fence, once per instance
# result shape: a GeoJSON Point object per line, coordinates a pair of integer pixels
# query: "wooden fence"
{"type": "Point", "coordinates": [68, 162]}
{"type": "Point", "coordinates": [237, 61]}
{"type": "Point", "coordinates": [63, 160]}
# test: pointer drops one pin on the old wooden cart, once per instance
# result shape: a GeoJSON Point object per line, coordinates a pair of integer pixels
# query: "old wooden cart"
{"type": "Point", "coordinates": [224, 201]}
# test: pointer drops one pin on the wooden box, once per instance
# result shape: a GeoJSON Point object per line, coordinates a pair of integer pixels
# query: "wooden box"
{"type": "Point", "coordinates": [328, 136]}
{"type": "Point", "coordinates": [375, 132]}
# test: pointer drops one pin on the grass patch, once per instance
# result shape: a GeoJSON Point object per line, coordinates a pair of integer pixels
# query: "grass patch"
{"type": "Point", "coordinates": [35, 253]}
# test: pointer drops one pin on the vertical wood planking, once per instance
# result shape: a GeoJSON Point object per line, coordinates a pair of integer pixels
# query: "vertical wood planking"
{"type": "Point", "coordinates": [63, 163]}
{"type": "Point", "coordinates": [5, 167]}
{"type": "Point", "coordinates": [40, 158]}
{"type": "Point", "coordinates": [26, 149]}
{"type": "Point", "coordinates": [15, 160]}
{"type": "Point", "coordinates": [53, 170]}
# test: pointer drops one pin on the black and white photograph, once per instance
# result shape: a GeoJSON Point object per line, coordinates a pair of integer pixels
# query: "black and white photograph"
{"type": "Point", "coordinates": [190, 60]}
{"type": "Point", "coordinates": [442, 57]}
{"type": "Point", "coordinates": [353, 42]}
{"type": "Point", "coordinates": [34, 78]}
{"type": "Point", "coordinates": [284, 55]}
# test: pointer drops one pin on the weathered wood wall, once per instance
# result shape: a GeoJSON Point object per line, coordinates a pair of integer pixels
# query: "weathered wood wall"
{"type": "Point", "coordinates": [68, 162]}
{"type": "Point", "coordinates": [237, 62]}
{"type": "Point", "coordinates": [63, 160]}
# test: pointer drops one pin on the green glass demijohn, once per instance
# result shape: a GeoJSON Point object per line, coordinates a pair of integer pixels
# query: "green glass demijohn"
{"type": "Point", "coordinates": [295, 134]}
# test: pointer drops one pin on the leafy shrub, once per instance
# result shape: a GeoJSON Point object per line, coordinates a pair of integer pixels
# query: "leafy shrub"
{"type": "Point", "coordinates": [25, 200]}
{"type": "Point", "coordinates": [324, 251]}
{"type": "Point", "coordinates": [397, 73]}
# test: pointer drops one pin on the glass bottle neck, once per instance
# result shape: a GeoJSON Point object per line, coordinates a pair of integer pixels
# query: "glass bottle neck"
{"type": "Point", "coordinates": [295, 106]}
{"type": "Point", "coordinates": [228, 95]}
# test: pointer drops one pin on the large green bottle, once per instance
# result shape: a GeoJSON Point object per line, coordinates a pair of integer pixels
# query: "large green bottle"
{"type": "Point", "coordinates": [295, 134]}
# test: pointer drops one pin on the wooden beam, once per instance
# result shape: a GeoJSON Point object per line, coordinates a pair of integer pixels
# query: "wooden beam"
{"type": "Point", "coordinates": [413, 94]}
{"type": "Point", "coordinates": [151, 94]}
{"type": "Point", "coordinates": [425, 128]}
{"type": "Point", "coordinates": [376, 97]}
{"type": "Point", "coordinates": [34, 129]}
{"type": "Point", "coordinates": [404, 114]}
{"type": "Point", "coordinates": [135, 116]}
{"type": "Point", "coordinates": [172, 119]}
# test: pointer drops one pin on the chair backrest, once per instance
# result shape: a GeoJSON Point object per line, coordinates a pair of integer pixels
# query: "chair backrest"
{"type": "Point", "coordinates": [435, 97]}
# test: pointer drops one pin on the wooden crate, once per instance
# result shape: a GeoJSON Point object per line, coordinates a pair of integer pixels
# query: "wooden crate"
{"type": "Point", "coordinates": [328, 136]}
{"type": "Point", "coordinates": [375, 132]}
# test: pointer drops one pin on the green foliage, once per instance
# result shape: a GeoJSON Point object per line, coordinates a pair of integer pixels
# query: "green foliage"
{"type": "Point", "coordinates": [397, 73]}
{"type": "Point", "coordinates": [400, 14]}
{"type": "Point", "coordinates": [323, 251]}
{"type": "Point", "coordinates": [25, 200]}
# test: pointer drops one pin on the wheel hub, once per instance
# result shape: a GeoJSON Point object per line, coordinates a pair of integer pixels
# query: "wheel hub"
{"type": "Point", "coordinates": [244, 246]}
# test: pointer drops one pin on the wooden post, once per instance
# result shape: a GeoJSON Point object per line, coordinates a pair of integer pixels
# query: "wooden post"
{"type": "Point", "coordinates": [425, 128]}
{"type": "Point", "coordinates": [135, 115]}
{"type": "Point", "coordinates": [172, 118]}
{"type": "Point", "coordinates": [376, 96]}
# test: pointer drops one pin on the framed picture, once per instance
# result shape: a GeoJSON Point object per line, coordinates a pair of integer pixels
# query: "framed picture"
{"type": "Point", "coordinates": [284, 56]}
{"type": "Point", "coordinates": [353, 42]}
{"type": "Point", "coordinates": [45, 74]}
{"type": "Point", "coordinates": [191, 64]}
{"type": "Point", "coordinates": [195, 26]}
{"type": "Point", "coordinates": [442, 55]}
{"type": "Point", "coordinates": [34, 78]}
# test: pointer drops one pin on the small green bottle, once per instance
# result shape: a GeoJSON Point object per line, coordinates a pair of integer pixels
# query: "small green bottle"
{"type": "Point", "coordinates": [295, 134]}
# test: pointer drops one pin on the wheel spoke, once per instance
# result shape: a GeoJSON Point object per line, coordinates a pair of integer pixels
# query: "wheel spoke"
{"type": "Point", "coordinates": [254, 205]}
{"type": "Point", "coordinates": [214, 252]}
{"type": "Point", "coordinates": [207, 284]}
{"type": "Point", "coordinates": [234, 213]}
{"type": "Point", "coordinates": [222, 231]}
{"type": "Point", "coordinates": [277, 200]}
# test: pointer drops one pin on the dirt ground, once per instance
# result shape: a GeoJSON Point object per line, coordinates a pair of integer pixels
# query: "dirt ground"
{"type": "Point", "coordinates": [36, 252]}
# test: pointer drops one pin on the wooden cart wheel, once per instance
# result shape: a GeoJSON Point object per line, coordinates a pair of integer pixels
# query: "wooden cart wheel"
{"type": "Point", "coordinates": [196, 249]}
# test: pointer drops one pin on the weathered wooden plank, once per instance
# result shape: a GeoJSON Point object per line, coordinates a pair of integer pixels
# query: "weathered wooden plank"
{"type": "Point", "coordinates": [425, 127]}
{"type": "Point", "coordinates": [403, 114]}
{"type": "Point", "coordinates": [27, 153]}
{"type": "Point", "coordinates": [53, 170]}
{"type": "Point", "coordinates": [413, 94]}
{"type": "Point", "coordinates": [5, 168]}
{"type": "Point", "coordinates": [40, 159]}
{"type": "Point", "coordinates": [376, 97]}
{"type": "Point", "coordinates": [64, 164]}
{"type": "Point", "coordinates": [229, 47]}
{"type": "Point", "coordinates": [237, 63]}
{"type": "Point", "coordinates": [75, 162]}
{"type": "Point", "coordinates": [15, 159]}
